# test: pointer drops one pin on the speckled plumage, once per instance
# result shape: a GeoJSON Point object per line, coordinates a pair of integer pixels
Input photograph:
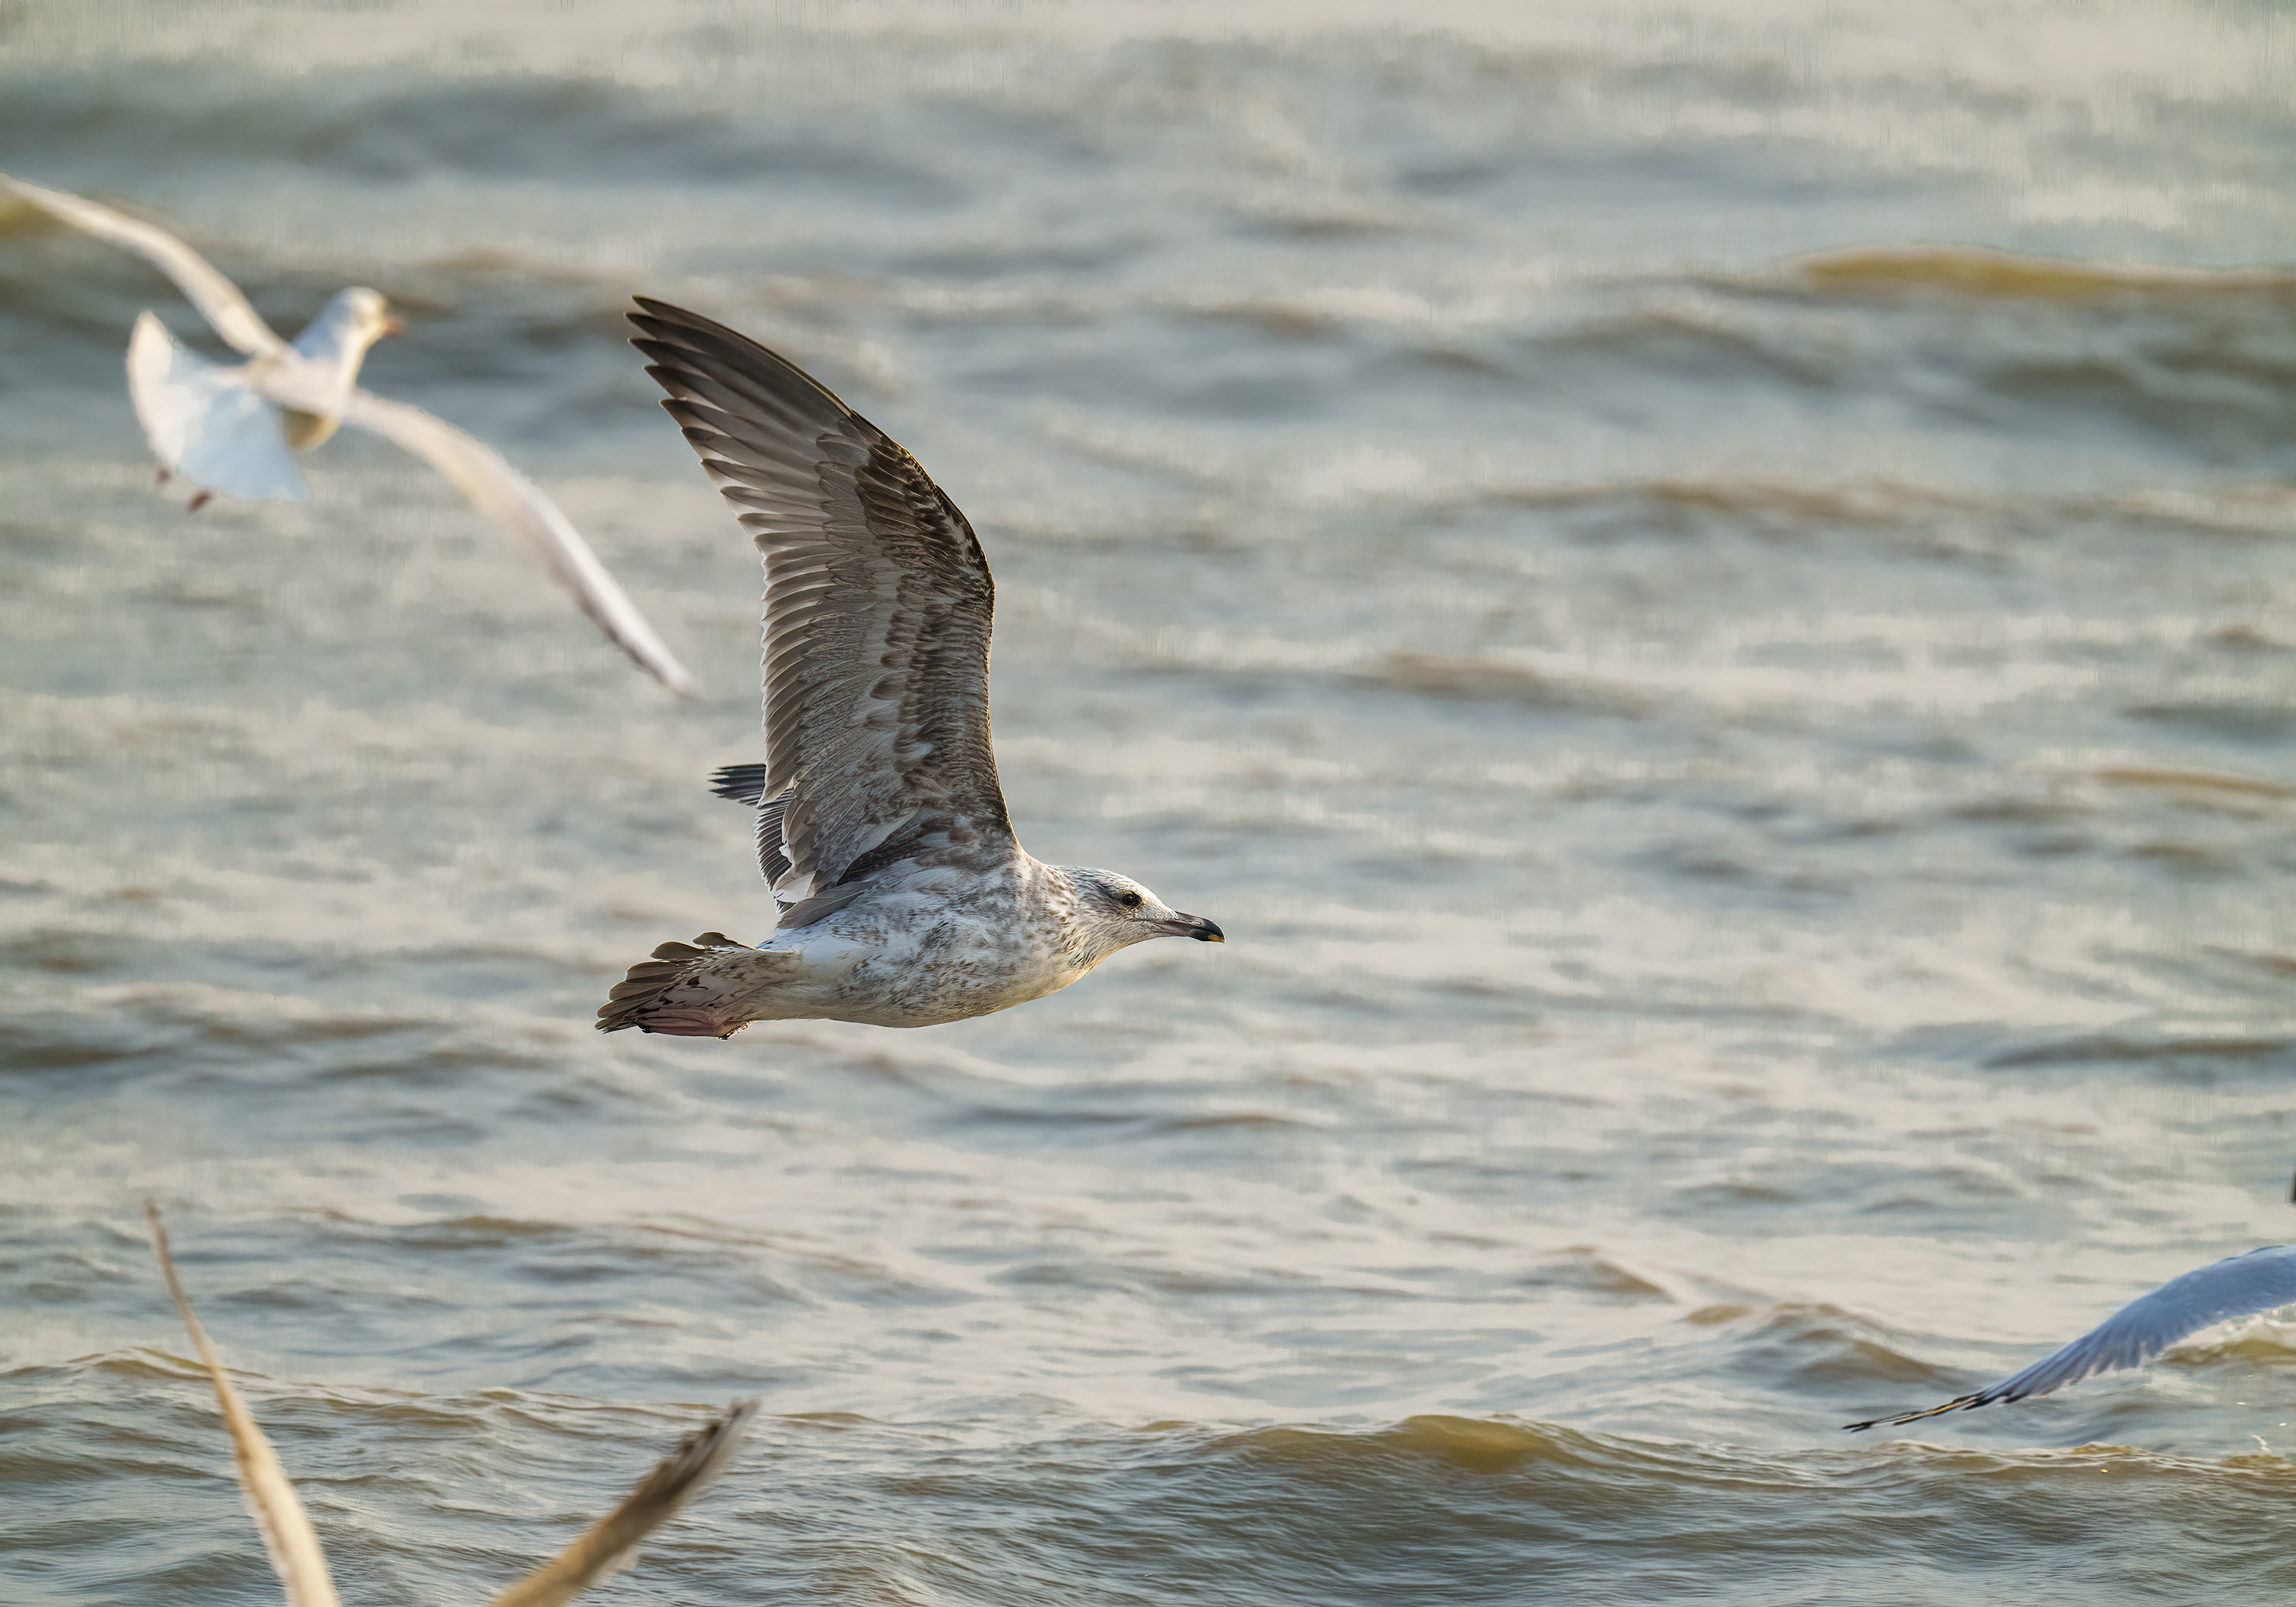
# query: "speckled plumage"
{"type": "Point", "coordinates": [906, 900]}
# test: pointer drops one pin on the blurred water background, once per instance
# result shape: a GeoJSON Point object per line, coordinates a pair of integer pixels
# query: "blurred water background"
{"type": "Point", "coordinates": [1749, 793]}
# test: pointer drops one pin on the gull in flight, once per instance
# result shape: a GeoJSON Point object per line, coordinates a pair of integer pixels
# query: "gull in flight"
{"type": "Point", "coordinates": [2238, 1286]}
{"type": "Point", "coordinates": [237, 429]}
{"type": "Point", "coordinates": [606, 1547]}
{"type": "Point", "coordinates": [904, 898]}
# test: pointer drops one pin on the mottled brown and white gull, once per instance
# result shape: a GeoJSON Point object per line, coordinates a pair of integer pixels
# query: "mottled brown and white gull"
{"type": "Point", "coordinates": [604, 1548]}
{"type": "Point", "coordinates": [237, 429]}
{"type": "Point", "coordinates": [904, 898]}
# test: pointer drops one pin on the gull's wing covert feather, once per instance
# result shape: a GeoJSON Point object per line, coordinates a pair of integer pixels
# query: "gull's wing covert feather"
{"type": "Point", "coordinates": [877, 614]}
{"type": "Point", "coordinates": [287, 1534]}
{"type": "Point", "coordinates": [611, 1542]}
{"type": "Point", "coordinates": [481, 474]}
{"type": "Point", "coordinates": [218, 299]}
{"type": "Point", "coordinates": [2238, 1286]}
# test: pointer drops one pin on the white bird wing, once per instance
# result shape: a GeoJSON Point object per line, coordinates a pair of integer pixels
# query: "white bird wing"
{"type": "Point", "coordinates": [609, 1544]}
{"type": "Point", "coordinates": [218, 299]}
{"type": "Point", "coordinates": [2238, 1286]}
{"type": "Point", "coordinates": [481, 474]}
{"type": "Point", "coordinates": [877, 614]}
{"type": "Point", "coordinates": [207, 423]}
{"type": "Point", "coordinates": [287, 1534]}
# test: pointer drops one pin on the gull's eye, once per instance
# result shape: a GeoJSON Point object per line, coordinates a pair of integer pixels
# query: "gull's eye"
{"type": "Point", "coordinates": [1129, 900]}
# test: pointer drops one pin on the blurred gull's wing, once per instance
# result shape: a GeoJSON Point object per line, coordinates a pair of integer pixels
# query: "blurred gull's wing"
{"type": "Point", "coordinates": [611, 1542]}
{"type": "Point", "coordinates": [218, 299]}
{"type": "Point", "coordinates": [2241, 1285]}
{"type": "Point", "coordinates": [877, 610]}
{"type": "Point", "coordinates": [295, 1554]}
{"type": "Point", "coordinates": [480, 473]}
{"type": "Point", "coordinates": [206, 421]}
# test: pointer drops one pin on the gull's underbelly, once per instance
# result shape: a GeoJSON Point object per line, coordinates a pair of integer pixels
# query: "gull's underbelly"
{"type": "Point", "coordinates": [305, 430]}
{"type": "Point", "coordinates": [947, 970]}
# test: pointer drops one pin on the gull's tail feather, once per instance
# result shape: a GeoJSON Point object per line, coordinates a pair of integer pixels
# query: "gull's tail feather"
{"type": "Point", "coordinates": [705, 988]}
{"type": "Point", "coordinates": [610, 1543]}
{"type": "Point", "coordinates": [287, 1534]}
{"type": "Point", "coordinates": [206, 422]}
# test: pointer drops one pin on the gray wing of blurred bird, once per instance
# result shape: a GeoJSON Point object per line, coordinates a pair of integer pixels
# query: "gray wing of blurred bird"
{"type": "Point", "coordinates": [287, 1535]}
{"type": "Point", "coordinates": [480, 473]}
{"type": "Point", "coordinates": [2238, 1286]}
{"type": "Point", "coordinates": [222, 426]}
{"type": "Point", "coordinates": [218, 299]}
{"type": "Point", "coordinates": [609, 1544]}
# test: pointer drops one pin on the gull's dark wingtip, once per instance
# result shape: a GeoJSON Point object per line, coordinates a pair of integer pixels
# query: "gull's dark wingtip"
{"type": "Point", "coordinates": [696, 359]}
{"type": "Point", "coordinates": [655, 319]}
{"type": "Point", "coordinates": [1959, 1403]}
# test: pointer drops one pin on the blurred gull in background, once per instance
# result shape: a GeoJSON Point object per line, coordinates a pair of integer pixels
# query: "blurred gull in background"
{"type": "Point", "coordinates": [602, 1549]}
{"type": "Point", "coordinates": [237, 429]}
{"type": "Point", "coordinates": [2242, 1285]}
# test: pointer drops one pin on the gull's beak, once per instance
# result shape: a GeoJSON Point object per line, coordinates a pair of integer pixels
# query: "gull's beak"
{"type": "Point", "coordinates": [1192, 926]}
{"type": "Point", "coordinates": [394, 327]}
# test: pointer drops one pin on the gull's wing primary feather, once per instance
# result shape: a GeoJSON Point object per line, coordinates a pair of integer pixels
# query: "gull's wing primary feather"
{"type": "Point", "coordinates": [877, 614]}
{"type": "Point", "coordinates": [2241, 1285]}
{"type": "Point", "coordinates": [206, 422]}
{"type": "Point", "coordinates": [287, 1535]}
{"type": "Point", "coordinates": [480, 473]}
{"type": "Point", "coordinates": [218, 299]}
{"type": "Point", "coordinates": [611, 1542]}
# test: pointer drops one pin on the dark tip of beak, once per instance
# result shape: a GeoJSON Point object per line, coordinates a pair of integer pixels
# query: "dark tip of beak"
{"type": "Point", "coordinates": [1207, 931]}
{"type": "Point", "coordinates": [394, 327]}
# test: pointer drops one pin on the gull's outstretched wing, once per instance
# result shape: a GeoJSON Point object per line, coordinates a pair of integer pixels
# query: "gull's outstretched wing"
{"type": "Point", "coordinates": [287, 1536]}
{"type": "Point", "coordinates": [2241, 1285]}
{"type": "Point", "coordinates": [611, 1542]}
{"type": "Point", "coordinates": [218, 299]}
{"type": "Point", "coordinates": [877, 614]}
{"type": "Point", "coordinates": [480, 473]}
{"type": "Point", "coordinates": [207, 423]}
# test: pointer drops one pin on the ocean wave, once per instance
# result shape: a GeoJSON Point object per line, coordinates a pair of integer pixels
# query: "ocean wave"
{"type": "Point", "coordinates": [1982, 272]}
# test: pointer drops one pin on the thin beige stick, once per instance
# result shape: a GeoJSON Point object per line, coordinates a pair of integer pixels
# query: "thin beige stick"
{"type": "Point", "coordinates": [287, 1535]}
{"type": "Point", "coordinates": [609, 1544]}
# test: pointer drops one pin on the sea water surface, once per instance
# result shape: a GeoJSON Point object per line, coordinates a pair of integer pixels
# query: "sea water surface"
{"type": "Point", "coordinates": [1707, 593]}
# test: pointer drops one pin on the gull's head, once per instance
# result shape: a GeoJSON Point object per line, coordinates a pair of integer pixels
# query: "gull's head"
{"type": "Point", "coordinates": [351, 321]}
{"type": "Point", "coordinates": [1114, 912]}
{"type": "Point", "coordinates": [368, 315]}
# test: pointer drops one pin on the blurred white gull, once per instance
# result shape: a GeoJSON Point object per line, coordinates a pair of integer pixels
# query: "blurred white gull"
{"type": "Point", "coordinates": [237, 429]}
{"type": "Point", "coordinates": [603, 1548]}
{"type": "Point", "coordinates": [2238, 1286]}
{"type": "Point", "coordinates": [905, 899]}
